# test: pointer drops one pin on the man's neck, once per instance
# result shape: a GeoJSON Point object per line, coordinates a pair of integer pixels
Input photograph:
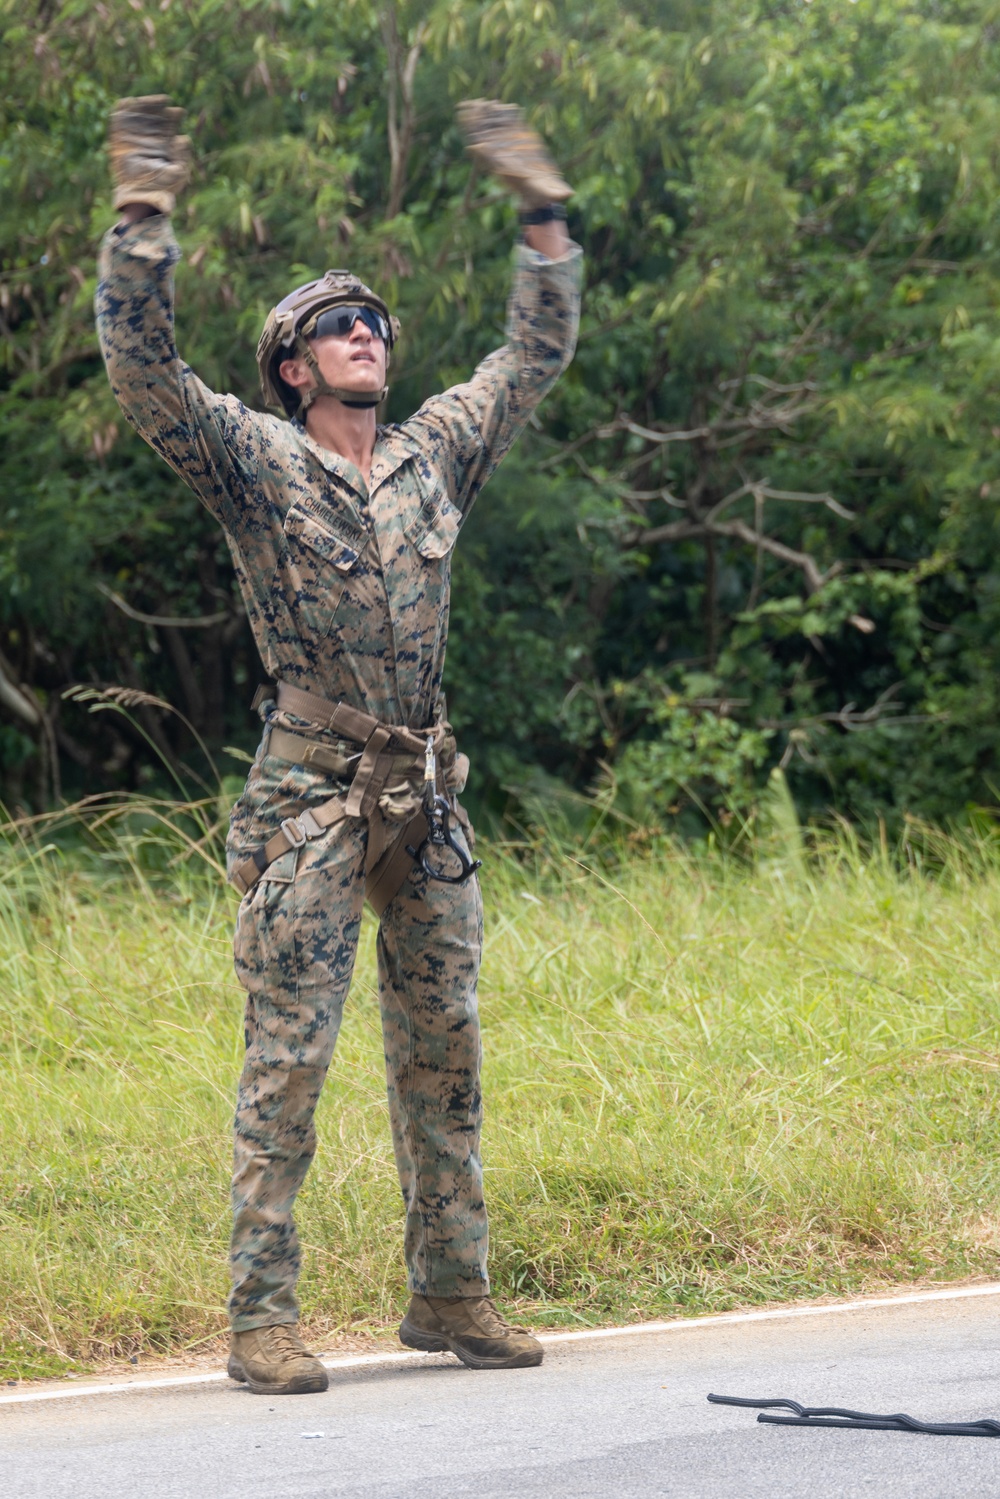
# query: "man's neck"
{"type": "Point", "coordinates": [346, 430]}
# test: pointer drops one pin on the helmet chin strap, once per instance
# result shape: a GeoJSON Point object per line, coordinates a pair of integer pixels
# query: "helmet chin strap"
{"type": "Point", "coordinates": [358, 399]}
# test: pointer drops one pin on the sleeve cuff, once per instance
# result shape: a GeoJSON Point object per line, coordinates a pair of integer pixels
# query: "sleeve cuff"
{"type": "Point", "coordinates": [528, 257]}
{"type": "Point", "coordinates": [151, 240]}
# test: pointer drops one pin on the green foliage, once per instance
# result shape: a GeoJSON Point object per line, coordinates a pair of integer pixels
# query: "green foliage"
{"type": "Point", "coordinates": [790, 221]}
{"type": "Point", "coordinates": [688, 752]}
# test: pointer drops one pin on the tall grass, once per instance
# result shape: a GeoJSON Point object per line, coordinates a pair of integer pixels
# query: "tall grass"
{"type": "Point", "coordinates": [709, 1081]}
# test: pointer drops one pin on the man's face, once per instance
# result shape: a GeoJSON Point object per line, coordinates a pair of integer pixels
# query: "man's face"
{"type": "Point", "coordinates": [348, 361]}
{"type": "Point", "coordinates": [354, 360]}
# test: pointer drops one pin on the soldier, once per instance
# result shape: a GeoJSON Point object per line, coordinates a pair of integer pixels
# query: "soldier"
{"type": "Point", "coordinates": [341, 534]}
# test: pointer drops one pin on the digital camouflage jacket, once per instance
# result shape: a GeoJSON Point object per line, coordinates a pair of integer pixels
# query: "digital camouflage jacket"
{"type": "Point", "coordinates": [346, 585]}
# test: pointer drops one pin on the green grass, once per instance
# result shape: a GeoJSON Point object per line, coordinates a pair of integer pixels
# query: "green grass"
{"type": "Point", "coordinates": [708, 1082]}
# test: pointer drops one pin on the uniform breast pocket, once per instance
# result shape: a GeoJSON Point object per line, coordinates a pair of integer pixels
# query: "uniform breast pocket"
{"type": "Point", "coordinates": [434, 529]}
{"type": "Point", "coordinates": [320, 555]}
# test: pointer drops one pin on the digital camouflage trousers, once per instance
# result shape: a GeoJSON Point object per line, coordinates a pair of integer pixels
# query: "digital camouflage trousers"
{"type": "Point", "coordinates": [296, 940]}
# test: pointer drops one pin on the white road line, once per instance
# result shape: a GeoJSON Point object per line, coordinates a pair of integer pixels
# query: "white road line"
{"type": "Point", "coordinates": [172, 1381]}
{"type": "Point", "coordinates": [686, 1324]}
{"type": "Point", "coordinates": [679, 1324]}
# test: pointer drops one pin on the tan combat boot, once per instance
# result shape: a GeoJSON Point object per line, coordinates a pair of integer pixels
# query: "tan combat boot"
{"type": "Point", "coordinates": [275, 1361]}
{"type": "Point", "coordinates": [472, 1328]}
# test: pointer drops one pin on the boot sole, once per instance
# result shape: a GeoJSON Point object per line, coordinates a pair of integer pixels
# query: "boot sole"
{"type": "Point", "coordinates": [305, 1384]}
{"type": "Point", "coordinates": [430, 1342]}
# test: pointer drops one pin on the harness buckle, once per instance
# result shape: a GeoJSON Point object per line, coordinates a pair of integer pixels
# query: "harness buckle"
{"type": "Point", "coordinates": [309, 825]}
{"type": "Point", "coordinates": [294, 831]}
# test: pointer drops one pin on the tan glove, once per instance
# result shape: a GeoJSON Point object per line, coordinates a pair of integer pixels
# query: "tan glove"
{"type": "Point", "coordinates": [150, 162]}
{"type": "Point", "coordinates": [500, 140]}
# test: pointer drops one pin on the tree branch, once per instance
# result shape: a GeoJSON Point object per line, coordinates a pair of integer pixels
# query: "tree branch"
{"type": "Point", "coordinates": [737, 530]}
{"type": "Point", "coordinates": [763, 491]}
{"type": "Point", "coordinates": [625, 424]}
{"type": "Point", "coordinates": [400, 118]}
{"type": "Point", "coordinates": [192, 622]}
{"type": "Point", "coordinates": [15, 700]}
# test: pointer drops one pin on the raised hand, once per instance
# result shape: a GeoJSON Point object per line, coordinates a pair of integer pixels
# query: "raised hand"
{"type": "Point", "coordinates": [502, 142]}
{"type": "Point", "coordinates": [150, 162]}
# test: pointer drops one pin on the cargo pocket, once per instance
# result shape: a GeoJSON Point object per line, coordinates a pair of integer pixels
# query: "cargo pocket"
{"type": "Point", "coordinates": [258, 813]}
{"type": "Point", "coordinates": [264, 942]}
{"type": "Point", "coordinates": [282, 870]}
{"type": "Point", "coordinates": [319, 555]}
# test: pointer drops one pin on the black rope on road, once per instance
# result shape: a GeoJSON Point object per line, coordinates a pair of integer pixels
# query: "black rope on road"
{"type": "Point", "coordinates": [833, 1415]}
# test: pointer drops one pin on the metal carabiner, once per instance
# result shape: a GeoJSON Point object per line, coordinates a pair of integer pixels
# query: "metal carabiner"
{"type": "Point", "coordinates": [437, 810]}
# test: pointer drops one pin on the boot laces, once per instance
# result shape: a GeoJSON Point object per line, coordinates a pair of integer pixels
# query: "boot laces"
{"type": "Point", "coordinates": [492, 1318]}
{"type": "Point", "coordinates": [284, 1342]}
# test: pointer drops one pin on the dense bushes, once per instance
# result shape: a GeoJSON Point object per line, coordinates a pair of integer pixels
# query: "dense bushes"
{"type": "Point", "coordinates": [789, 214]}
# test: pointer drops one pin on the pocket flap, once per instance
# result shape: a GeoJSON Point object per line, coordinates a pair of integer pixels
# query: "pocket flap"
{"type": "Point", "coordinates": [435, 530]}
{"type": "Point", "coordinates": [320, 539]}
{"type": "Point", "coordinates": [282, 870]}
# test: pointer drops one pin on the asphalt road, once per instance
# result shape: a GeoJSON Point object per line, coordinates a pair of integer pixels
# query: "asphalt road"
{"type": "Point", "coordinates": [610, 1418]}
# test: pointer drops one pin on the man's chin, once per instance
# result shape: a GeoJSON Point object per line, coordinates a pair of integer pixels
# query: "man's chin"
{"type": "Point", "coordinates": [369, 385]}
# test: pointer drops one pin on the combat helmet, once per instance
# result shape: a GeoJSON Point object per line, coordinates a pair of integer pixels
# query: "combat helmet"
{"type": "Point", "coordinates": [285, 336]}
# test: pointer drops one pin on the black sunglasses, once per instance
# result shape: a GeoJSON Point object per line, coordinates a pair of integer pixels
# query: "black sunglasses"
{"type": "Point", "coordinates": [338, 321]}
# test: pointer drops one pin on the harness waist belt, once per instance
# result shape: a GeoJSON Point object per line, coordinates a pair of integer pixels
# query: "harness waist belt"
{"type": "Point", "coordinates": [333, 758]}
{"type": "Point", "coordinates": [348, 722]}
{"type": "Point", "coordinates": [393, 812]}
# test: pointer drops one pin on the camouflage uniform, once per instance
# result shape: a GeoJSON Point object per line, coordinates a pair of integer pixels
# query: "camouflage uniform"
{"type": "Point", "coordinates": [347, 590]}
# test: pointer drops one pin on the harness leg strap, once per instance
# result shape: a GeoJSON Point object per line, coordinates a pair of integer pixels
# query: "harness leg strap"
{"type": "Point", "coordinates": [382, 884]}
{"type": "Point", "coordinates": [358, 802]}
{"type": "Point", "coordinates": [293, 833]}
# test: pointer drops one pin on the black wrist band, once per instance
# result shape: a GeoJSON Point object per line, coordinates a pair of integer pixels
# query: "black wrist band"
{"type": "Point", "coordinates": [543, 215]}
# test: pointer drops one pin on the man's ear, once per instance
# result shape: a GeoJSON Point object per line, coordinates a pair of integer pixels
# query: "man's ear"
{"type": "Point", "coordinates": [295, 372]}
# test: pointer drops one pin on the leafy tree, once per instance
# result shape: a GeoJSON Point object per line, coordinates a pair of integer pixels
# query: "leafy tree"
{"type": "Point", "coordinates": [756, 523]}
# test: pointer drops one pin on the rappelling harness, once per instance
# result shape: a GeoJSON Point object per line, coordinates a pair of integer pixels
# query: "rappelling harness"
{"type": "Point", "coordinates": [403, 783]}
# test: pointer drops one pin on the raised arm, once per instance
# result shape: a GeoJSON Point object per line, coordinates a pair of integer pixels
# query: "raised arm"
{"type": "Point", "coordinates": [211, 441]}
{"type": "Point", "coordinates": [475, 424]}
